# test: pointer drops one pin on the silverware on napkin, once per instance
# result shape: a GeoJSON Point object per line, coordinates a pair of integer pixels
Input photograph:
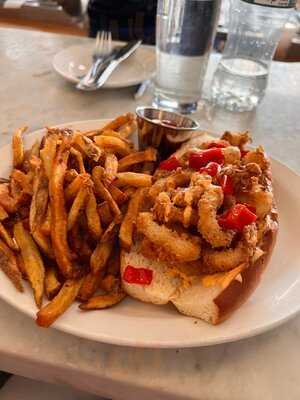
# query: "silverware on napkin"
{"type": "Point", "coordinates": [108, 65]}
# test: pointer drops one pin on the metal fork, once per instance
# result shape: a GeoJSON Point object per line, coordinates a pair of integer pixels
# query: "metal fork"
{"type": "Point", "coordinates": [102, 49]}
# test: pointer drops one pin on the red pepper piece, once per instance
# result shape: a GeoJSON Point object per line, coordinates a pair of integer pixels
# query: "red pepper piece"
{"type": "Point", "coordinates": [219, 145]}
{"type": "Point", "coordinates": [237, 218]}
{"type": "Point", "coordinates": [202, 158]}
{"type": "Point", "coordinates": [211, 169]}
{"type": "Point", "coordinates": [170, 164]}
{"type": "Point", "coordinates": [244, 152]}
{"type": "Point", "coordinates": [251, 208]}
{"type": "Point", "coordinates": [227, 184]}
{"type": "Point", "coordinates": [140, 276]}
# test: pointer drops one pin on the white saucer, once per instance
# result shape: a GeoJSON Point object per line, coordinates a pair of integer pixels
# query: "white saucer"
{"type": "Point", "coordinates": [73, 63]}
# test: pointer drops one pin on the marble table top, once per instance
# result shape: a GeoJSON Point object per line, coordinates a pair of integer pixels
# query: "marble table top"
{"type": "Point", "coordinates": [265, 367]}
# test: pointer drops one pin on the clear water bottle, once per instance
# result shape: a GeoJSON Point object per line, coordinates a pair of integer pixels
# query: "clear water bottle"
{"type": "Point", "coordinates": [254, 30]}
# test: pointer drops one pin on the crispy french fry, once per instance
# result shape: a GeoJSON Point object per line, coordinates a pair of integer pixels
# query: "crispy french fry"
{"type": "Point", "coordinates": [39, 201]}
{"type": "Point", "coordinates": [117, 194]}
{"type": "Point", "coordinates": [113, 144]}
{"type": "Point", "coordinates": [70, 175]}
{"type": "Point", "coordinates": [111, 168]}
{"type": "Point", "coordinates": [58, 214]}
{"type": "Point", "coordinates": [21, 265]}
{"type": "Point", "coordinates": [11, 243]}
{"type": "Point", "coordinates": [100, 256]}
{"type": "Point", "coordinates": [128, 129]}
{"type": "Point", "coordinates": [133, 179]}
{"type": "Point", "coordinates": [129, 221]}
{"type": "Point", "coordinates": [104, 213]}
{"type": "Point", "coordinates": [77, 206]}
{"type": "Point", "coordinates": [33, 152]}
{"type": "Point", "coordinates": [129, 191]}
{"type": "Point", "coordinates": [111, 231]}
{"type": "Point", "coordinates": [52, 284]}
{"type": "Point", "coordinates": [6, 201]}
{"type": "Point", "coordinates": [24, 180]}
{"type": "Point", "coordinates": [85, 251]}
{"type": "Point", "coordinates": [17, 145]}
{"type": "Point", "coordinates": [47, 153]}
{"type": "Point", "coordinates": [110, 283]}
{"type": "Point", "coordinates": [135, 158]}
{"type": "Point", "coordinates": [46, 225]}
{"type": "Point", "coordinates": [19, 196]}
{"type": "Point", "coordinates": [44, 243]}
{"type": "Point", "coordinates": [118, 122]}
{"type": "Point", "coordinates": [3, 214]}
{"type": "Point", "coordinates": [116, 135]}
{"type": "Point", "coordinates": [15, 189]}
{"type": "Point", "coordinates": [73, 188]}
{"type": "Point", "coordinates": [102, 191]}
{"type": "Point", "coordinates": [34, 266]}
{"type": "Point", "coordinates": [60, 303]}
{"type": "Point", "coordinates": [103, 301]}
{"type": "Point", "coordinates": [148, 168]}
{"type": "Point", "coordinates": [113, 264]}
{"type": "Point", "coordinates": [112, 125]}
{"type": "Point", "coordinates": [87, 147]}
{"type": "Point", "coordinates": [79, 159]}
{"type": "Point", "coordinates": [8, 264]}
{"type": "Point", "coordinates": [75, 238]}
{"type": "Point", "coordinates": [35, 149]}
{"type": "Point", "coordinates": [92, 216]}
{"type": "Point", "coordinates": [90, 285]}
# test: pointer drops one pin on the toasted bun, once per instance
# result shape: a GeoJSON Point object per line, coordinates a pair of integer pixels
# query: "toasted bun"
{"type": "Point", "coordinates": [216, 304]}
{"type": "Point", "coordinates": [213, 303]}
{"type": "Point", "coordinates": [162, 288]}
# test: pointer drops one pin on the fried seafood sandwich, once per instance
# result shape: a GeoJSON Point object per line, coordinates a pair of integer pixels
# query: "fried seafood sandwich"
{"type": "Point", "coordinates": [204, 229]}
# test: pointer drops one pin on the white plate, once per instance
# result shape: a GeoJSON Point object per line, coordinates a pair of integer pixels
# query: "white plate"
{"type": "Point", "coordinates": [73, 62]}
{"type": "Point", "coordinates": [133, 323]}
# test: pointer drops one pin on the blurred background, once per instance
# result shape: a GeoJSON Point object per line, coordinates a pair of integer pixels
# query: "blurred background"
{"type": "Point", "coordinates": [125, 19]}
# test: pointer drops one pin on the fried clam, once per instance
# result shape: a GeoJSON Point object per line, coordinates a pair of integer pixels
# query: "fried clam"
{"type": "Point", "coordinates": [165, 211]}
{"type": "Point", "coordinates": [239, 139]}
{"type": "Point", "coordinates": [181, 246]}
{"type": "Point", "coordinates": [232, 155]}
{"type": "Point", "coordinates": [192, 194]}
{"type": "Point", "coordinates": [241, 175]}
{"type": "Point", "coordinates": [258, 197]}
{"type": "Point", "coordinates": [257, 156]}
{"type": "Point", "coordinates": [179, 178]}
{"type": "Point", "coordinates": [208, 224]}
{"type": "Point", "coordinates": [225, 260]}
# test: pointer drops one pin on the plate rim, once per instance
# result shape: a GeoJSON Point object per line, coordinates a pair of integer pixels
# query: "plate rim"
{"type": "Point", "coordinates": [107, 85]}
{"type": "Point", "coordinates": [190, 343]}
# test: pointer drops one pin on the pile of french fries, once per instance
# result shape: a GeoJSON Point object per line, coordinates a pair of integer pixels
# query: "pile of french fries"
{"type": "Point", "coordinates": [69, 204]}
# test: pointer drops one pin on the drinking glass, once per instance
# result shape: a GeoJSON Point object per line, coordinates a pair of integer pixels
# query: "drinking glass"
{"type": "Point", "coordinates": [184, 35]}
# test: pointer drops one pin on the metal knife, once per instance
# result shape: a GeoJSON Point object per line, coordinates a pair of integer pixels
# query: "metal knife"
{"type": "Point", "coordinates": [109, 65]}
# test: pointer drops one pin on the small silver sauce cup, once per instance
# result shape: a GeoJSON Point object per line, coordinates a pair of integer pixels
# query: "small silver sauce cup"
{"type": "Point", "coordinates": [164, 130]}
